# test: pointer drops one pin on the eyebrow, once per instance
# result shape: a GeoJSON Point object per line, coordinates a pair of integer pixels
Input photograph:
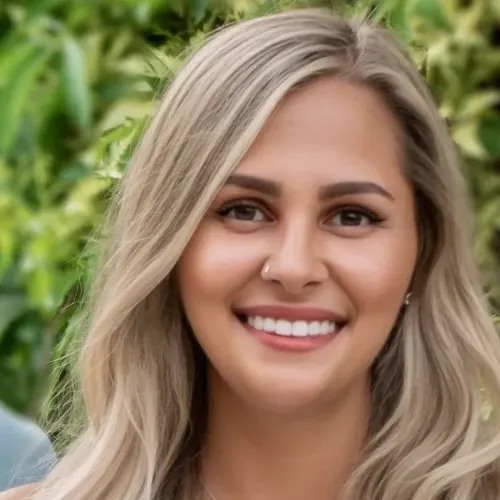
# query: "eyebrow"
{"type": "Point", "coordinates": [329, 191]}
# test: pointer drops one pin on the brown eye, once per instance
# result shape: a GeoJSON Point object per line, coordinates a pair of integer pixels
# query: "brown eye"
{"type": "Point", "coordinates": [242, 212]}
{"type": "Point", "coordinates": [354, 218]}
{"type": "Point", "coordinates": [351, 218]}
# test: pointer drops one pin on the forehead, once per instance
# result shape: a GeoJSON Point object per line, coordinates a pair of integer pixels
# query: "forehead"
{"type": "Point", "coordinates": [328, 130]}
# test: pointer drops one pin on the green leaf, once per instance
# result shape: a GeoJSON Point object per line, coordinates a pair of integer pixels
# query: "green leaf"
{"type": "Point", "coordinates": [489, 133]}
{"type": "Point", "coordinates": [467, 137]}
{"type": "Point", "coordinates": [198, 8]}
{"type": "Point", "coordinates": [11, 308]}
{"type": "Point", "coordinates": [118, 146]}
{"type": "Point", "coordinates": [16, 95]}
{"type": "Point", "coordinates": [41, 289]}
{"type": "Point", "coordinates": [75, 84]}
{"type": "Point", "coordinates": [398, 19]}
{"type": "Point", "coordinates": [178, 6]}
{"type": "Point", "coordinates": [6, 249]}
{"type": "Point", "coordinates": [477, 103]}
{"type": "Point", "coordinates": [13, 57]}
{"type": "Point", "coordinates": [111, 137]}
{"type": "Point", "coordinates": [431, 12]}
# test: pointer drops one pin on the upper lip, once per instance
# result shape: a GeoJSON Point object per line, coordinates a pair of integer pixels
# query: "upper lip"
{"type": "Point", "coordinates": [292, 313]}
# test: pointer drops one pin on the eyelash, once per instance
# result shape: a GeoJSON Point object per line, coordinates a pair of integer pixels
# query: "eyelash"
{"type": "Point", "coordinates": [224, 210]}
{"type": "Point", "coordinates": [373, 218]}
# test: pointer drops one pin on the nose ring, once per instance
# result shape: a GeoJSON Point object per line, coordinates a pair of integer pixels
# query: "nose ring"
{"type": "Point", "coordinates": [265, 273]}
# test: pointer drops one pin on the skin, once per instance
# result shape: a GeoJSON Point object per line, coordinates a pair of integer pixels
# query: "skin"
{"type": "Point", "coordinates": [21, 493]}
{"type": "Point", "coordinates": [282, 424]}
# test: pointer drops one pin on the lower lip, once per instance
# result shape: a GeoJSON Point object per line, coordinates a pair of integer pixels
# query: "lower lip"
{"type": "Point", "coordinates": [291, 344]}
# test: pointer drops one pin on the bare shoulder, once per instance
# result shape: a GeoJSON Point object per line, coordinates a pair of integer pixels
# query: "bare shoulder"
{"type": "Point", "coordinates": [22, 493]}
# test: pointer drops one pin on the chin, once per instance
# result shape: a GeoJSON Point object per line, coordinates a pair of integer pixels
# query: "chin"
{"type": "Point", "coordinates": [289, 392]}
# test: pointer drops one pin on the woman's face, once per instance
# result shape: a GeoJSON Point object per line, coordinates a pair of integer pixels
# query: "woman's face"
{"type": "Point", "coordinates": [322, 197]}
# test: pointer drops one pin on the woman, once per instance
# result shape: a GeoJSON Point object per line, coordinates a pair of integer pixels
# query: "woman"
{"type": "Point", "coordinates": [289, 307]}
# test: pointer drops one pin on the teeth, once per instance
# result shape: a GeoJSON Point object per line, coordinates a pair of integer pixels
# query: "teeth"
{"type": "Point", "coordinates": [300, 329]}
{"type": "Point", "coordinates": [283, 327]}
{"type": "Point", "coordinates": [292, 328]}
{"type": "Point", "coordinates": [269, 325]}
{"type": "Point", "coordinates": [315, 328]}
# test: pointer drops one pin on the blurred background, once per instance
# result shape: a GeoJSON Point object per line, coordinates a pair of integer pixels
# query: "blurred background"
{"type": "Point", "coordinates": [78, 79]}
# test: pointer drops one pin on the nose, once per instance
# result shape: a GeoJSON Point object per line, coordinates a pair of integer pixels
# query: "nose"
{"type": "Point", "coordinates": [296, 263]}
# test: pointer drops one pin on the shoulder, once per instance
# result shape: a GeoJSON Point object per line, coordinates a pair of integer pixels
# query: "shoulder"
{"type": "Point", "coordinates": [22, 493]}
{"type": "Point", "coordinates": [19, 427]}
{"type": "Point", "coordinates": [26, 453]}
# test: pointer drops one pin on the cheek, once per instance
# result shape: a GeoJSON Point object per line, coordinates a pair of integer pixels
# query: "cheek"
{"type": "Point", "coordinates": [214, 266]}
{"type": "Point", "coordinates": [376, 273]}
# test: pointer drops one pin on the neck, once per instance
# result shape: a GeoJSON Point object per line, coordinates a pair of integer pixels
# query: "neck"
{"type": "Point", "coordinates": [254, 454]}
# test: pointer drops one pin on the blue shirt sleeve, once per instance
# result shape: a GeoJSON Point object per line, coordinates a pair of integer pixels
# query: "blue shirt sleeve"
{"type": "Point", "coordinates": [26, 454]}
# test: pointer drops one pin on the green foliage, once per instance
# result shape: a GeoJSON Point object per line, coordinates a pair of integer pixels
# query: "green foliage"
{"type": "Point", "coordinates": [77, 83]}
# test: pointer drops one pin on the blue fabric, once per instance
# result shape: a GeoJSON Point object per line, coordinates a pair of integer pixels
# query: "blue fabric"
{"type": "Point", "coordinates": [26, 454]}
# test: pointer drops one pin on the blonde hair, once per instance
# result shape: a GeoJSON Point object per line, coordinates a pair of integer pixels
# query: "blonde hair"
{"type": "Point", "coordinates": [141, 372]}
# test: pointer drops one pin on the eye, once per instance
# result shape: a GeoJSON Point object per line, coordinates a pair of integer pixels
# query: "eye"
{"type": "Point", "coordinates": [355, 217]}
{"type": "Point", "coordinates": [242, 212]}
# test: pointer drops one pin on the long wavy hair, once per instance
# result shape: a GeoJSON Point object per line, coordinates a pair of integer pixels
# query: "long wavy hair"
{"type": "Point", "coordinates": [142, 373]}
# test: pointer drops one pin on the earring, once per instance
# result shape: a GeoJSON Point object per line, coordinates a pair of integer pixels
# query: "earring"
{"type": "Point", "coordinates": [265, 272]}
{"type": "Point", "coordinates": [406, 301]}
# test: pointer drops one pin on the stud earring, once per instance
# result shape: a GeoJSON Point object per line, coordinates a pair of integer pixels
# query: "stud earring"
{"type": "Point", "coordinates": [406, 302]}
{"type": "Point", "coordinates": [265, 271]}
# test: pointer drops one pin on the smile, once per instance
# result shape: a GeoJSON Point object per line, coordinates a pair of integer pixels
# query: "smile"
{"type": "Point", "coordinates": [291, 329]}
{"type": "Point", "coordinates": [287, 328]}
